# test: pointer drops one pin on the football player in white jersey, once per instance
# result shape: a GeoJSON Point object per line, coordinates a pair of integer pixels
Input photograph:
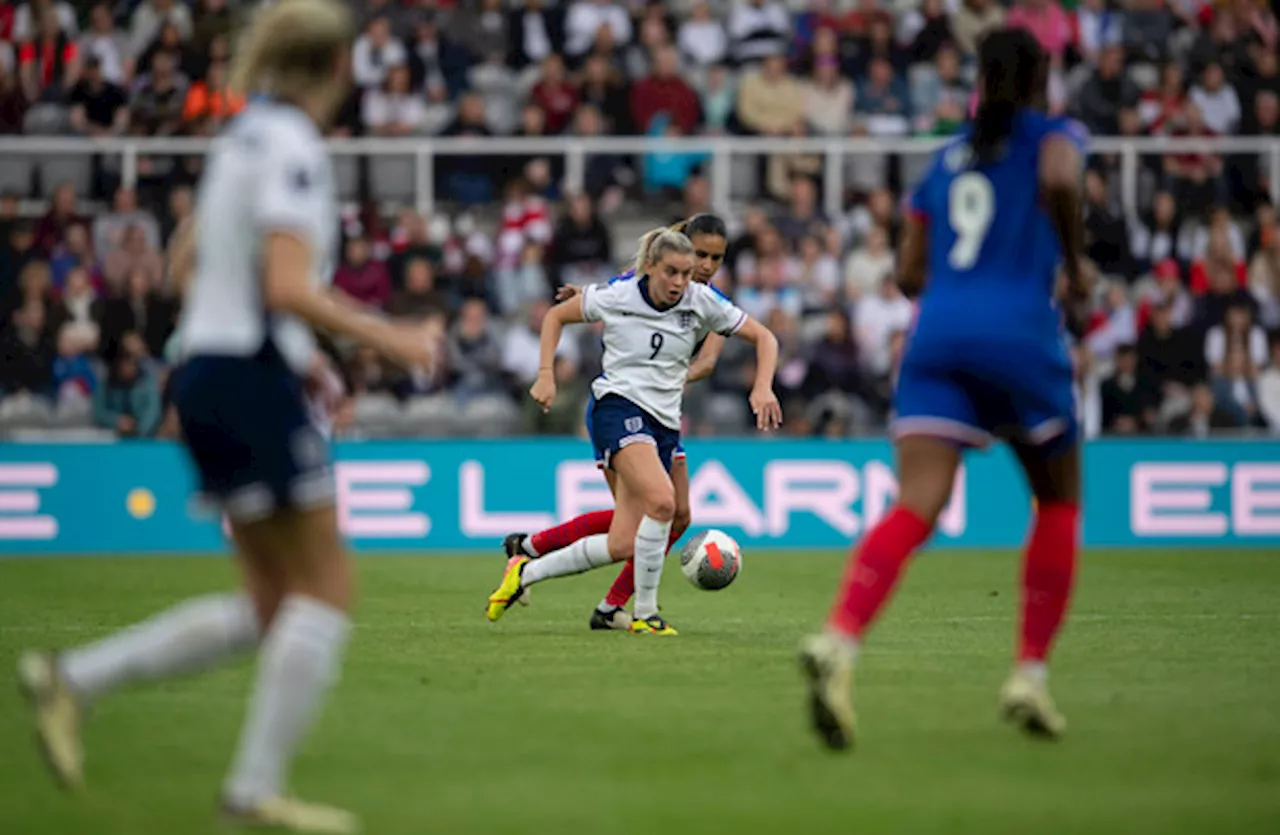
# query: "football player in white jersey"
{"type": "Point", "coordinates": [710, 239]}
{"type": "Point", "coordinates": [653, 322]}
{"type": "Point", "coordinates": [266, 221]}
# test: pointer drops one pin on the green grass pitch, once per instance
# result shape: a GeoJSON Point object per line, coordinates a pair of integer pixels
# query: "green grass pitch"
{"type": "Point", "coordinates": [1169, 674]}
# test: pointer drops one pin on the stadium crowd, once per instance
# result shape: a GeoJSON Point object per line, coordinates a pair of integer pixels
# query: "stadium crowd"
{"type": "Point", "coordinates": [1183, 337]}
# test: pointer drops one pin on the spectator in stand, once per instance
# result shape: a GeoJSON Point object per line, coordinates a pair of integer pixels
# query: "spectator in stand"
{"type": "Point", "coordinates": [1165, 287]}
{"type": "Point", "coordinates": [108, 44]}
{"type": "Point", "coordinates": [587, 17]}
{"type": "Point", "coordinates": [718, 94]}
{"type": "Point", "coordinates": [494, 81]}
{"type": "Point", "coordinates": [926, 31]}
{"type": "Point", "coordinates": [74, 253]}
{"type": "Point", "coordinates": [536, 30]}
{"type": "Point", "coordinates": [637, 58]}
{"type": "Point", "coordinates": [26, 355]}
{"type": "Point", "coordinates": [1099, 26]}
{"type": "Point", "coordinates": [702, 38]}
{"type": "Point", "coordinates": [1264, 281]}
{"type": "Point", "coordinates": [1105, 93]}
{"type": "Point", "coordinates": [15, 254]}
{"type": "Point", "coordinates": [420, 297]}
{"type": "Point", "coordinates": [1220, 42]}
{"type": "Point", "coordinates": [665, 92]}
{"type": "Point", "coordinates": [605, 88]}
{"type": "Point", "coordinates": [110, 228]}
{"type": "Point", "coordinates": [1128, 406]}
{"type": "Point", "coordinates": [1158, 235]}
{"type": "Point", "coordinates": [26, 17]}
{"type": "Point", "coordinates": [521, 284]}
{"type": "Point", "coordinates": [520, 346]}
{"type": "Point", "coordinates": [1113, 325]}
{"type": "Point", "coordinates": [868, 264]}
{"type": "Point", "coordinates": [475, 353]}
{"type": "Point", "coordinates": [555, 94]}
{"type": "Point", "coordinates": [49, 63]}
{"type": "Point", "coordinates": [468, 179]}
{"type": "Point", "coordinates": [211, 100]}
{"type": "Point", "coordinates": [1238, 330]}
{"type": "Point", "coordinates": [880, 44]}
{"type": "Point", "coordinates": [1205, 416]}
{"type": "Point", "coordinates": [480, 28]}
{"type": "Point", "coordinates": [1149, 29]}
{"type": "Point", "coordinates": [1106, 238]}
{"type": "Point", "coordinates": [770, 100]}
{"type": "Point", "coordinates": [430, 56]}
{"type": "Point", "coordinates": [1171, 356]}
{"type": "Point", "coordinates": [361, 277]}
{"type": "Point", "coordinates": [1045, 20]}
{"type": "Point", "coordinates": [13, 101]}
{"type": "Point", "coordinates": [1217, 100]}
{"type": "Point", "coordinates": [940, 96]}
{"type": "Point", "coordinates": [828, 99]}
{"type": "Point", "coordinates": [971, 20]}
{"type": "Point", "coordinates": [393, 109]}
{"type": "Point", "coordinates": [133, 253]}
{"type": "Point", "coordinates": [1261, 76]}
{"type": "Point", "coordinates": [139, 309]}
{"type": "Point", "coordinates": [157, 105]}
{"type": "Point", "coordinates": [73, 376]}
{"type": "Point", "coordinates": [758, 29]}
{"type": "Point", "coordinates": [1218, 248]}
{"type": "Point", "coordinates": [1222, 292]}
{"type": "Point", "coordinates": [884, 101]}
{"type": "Point", "coordinates": [817, 274]}
{"type": "Point", "coordinates": [803, 217]}
{"type": "Point", "coordinates": [214, 20]}
{"type": "Point", "coordinates": [151, 15]}
{"type": "Point", "coordinates": [565, 415]}
{"type": "Point", "coordinates": [1221, 223]}
{"type": "Point", "coordinates": [1195, 177]}
{"type": "Point", "coordinates": [375, 52]}
{"type": "Point", "coordinates": [1164, 110]}
{"type": "Point", "coordinates": [78, 304]}
{"type": "Point", "coordinates": [98, 107]}
{"type": "Point", "coordinates": [1235, 388]}
{"type": "Point", "coordinates": [128, 400]}
{"type": "Point", "coordinates": [877, 317]}
{"type": "Point", "coordinates": [1269, 387]}
{"type": "Point", "coordinates": [581, 249]}
{"type": "Point", "coordinates": [169, 40]}
{"type": "Point", "coordinates": [61, 215]}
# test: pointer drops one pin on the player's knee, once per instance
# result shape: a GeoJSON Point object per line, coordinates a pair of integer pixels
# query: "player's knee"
{"type": "Point", "coordinates": [660, 504]}
{"type": "Point", "coordinates": [621, 547]}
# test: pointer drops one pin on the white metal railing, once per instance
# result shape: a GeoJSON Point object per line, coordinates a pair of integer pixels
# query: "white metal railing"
{"type": "Point", "coordinates": [575, 150]}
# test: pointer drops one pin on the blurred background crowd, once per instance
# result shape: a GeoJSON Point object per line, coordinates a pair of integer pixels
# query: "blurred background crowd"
{"type": "Point", "coordinates": [1183, 337]}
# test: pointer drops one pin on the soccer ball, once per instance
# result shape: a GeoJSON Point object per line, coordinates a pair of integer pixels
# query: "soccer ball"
{"type": "Point", "coordinates": [711, 560]}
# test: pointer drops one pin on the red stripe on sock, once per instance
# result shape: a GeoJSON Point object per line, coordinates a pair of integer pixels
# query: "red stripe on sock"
{"type": "Point", "coordinates": [1048, 574]}
{"type": "Point", "coordinates": [873, 570]}
{"type": "Point", "coordinates": [580, 527]}
{"type": "Point", "coordinates": [623, 587]}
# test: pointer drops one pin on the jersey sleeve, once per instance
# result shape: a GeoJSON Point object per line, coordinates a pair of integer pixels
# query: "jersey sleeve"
{"type": "Point", "coordinates": [721, 315]}
{"type": "Point", "coordinates": [1072, 130]}
{"type": "Point", "coordinates": [292, 183]}
{"type": "Point", "coordinates": [597, 301]}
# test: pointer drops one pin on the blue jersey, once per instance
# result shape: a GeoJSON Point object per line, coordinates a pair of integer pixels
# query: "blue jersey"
{"type": "Point", "coordinates": [993, 255]}
{"type": "Point", "coordinates": [987, 355]}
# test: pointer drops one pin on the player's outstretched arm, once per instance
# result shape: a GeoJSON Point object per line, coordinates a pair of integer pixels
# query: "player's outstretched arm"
{"type": "Point", "coordinates": [913, 256]}
{"type": "Point", "coordinates": [287, 288]}
{"type": "Point", "coordinates": [1060, 191]}
{"type": "Point", "coordinates": [565, 313]}
{"type": "Point", "coordinates": [764, 403]}
{"type": "Point", "coordinates": [705, 362]}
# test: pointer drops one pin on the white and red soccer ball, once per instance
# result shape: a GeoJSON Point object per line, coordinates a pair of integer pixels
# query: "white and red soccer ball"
{"type": "Point", "coordinates": [711, 560]}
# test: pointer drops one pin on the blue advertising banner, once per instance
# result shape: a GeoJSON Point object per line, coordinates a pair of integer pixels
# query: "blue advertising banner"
{"type": "Point", "coordinates": [424, 496]}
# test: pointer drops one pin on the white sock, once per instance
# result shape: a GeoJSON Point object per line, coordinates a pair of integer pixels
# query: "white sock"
{"type": "Point", "coordinates": [848, 644]}
{"type": "Point", "coordinates": [301, 657]}
{"type": "Point", "coordinates": [651, 550]}
{"type": "Point", "coordinates": [605, 606]}
{"type": "Point", "coordinates": [526, 547]}
{"type": "Point", "coordinates": [184, 639]}
{"type": "Point", "coordinates": [585, 554]}
{"type": "Point", "coordinates": [1037, 671]}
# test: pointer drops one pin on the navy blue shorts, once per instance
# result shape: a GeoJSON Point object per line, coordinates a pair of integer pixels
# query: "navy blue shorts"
{"type": "Point", "coordinates": [972, 393]}
{"type": "Point", "coordinates": [247, 431]}
{"type": "Point", "coordinates": [614, 422]}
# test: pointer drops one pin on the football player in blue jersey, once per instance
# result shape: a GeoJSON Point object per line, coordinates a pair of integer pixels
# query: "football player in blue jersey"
{"type": "Point", "coordinates": [993, 224]}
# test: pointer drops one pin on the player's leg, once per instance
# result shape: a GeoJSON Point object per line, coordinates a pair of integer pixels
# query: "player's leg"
{"type": "Point", "coordinates": [642, 525]}
{"type": "Point", "coordinates": [300, 660]}
{"type": "Point", "coordinates": [610, 614]}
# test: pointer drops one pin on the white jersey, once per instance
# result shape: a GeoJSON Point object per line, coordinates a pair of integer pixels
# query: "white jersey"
{"type": "Point", "coordinates": [268, 171]}
{"type": "Point", "coordinates": [647, 350]}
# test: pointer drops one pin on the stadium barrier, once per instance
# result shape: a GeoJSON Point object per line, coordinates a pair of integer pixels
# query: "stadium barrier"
{"type": "Point", "coordinates": [440, 496]}
{"type": "Point", "coordinates": [405, 168]}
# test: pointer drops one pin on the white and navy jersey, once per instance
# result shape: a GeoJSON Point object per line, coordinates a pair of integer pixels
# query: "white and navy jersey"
{"type": "Point", "coordinates": [268, 171]}
{"type": "Point", "coordinates": [647, 349]}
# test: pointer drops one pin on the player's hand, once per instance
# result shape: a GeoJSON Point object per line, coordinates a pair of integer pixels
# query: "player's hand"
{"type": "Point", "coordinates": [544, 390]}
{"type": "Point", "coordinates": [566, 292]}
{"type": "Point", "coordinates": [766, 408]}
{"type": "Point", "coordinates": [410, 347]}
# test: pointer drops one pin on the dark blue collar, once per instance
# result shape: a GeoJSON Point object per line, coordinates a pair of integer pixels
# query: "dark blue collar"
{"type": "Point", "coordinates": [644, 294]}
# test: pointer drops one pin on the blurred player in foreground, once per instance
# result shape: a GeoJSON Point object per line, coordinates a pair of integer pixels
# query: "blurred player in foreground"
{"type": "Point", "coordinates": [994, 218]}
{"type": "Point", "coordinates": [266, 220]}
{"type": "Point", "coordinates": [710, 239]}
{"type": "Point", "coordinates": [653, 321]}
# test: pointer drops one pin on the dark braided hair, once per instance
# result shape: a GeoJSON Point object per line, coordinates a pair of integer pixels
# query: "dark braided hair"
{"type": "Point", "coordinates": [703, 224]}
{"type": "Point", "coordinates": [1014, 73]}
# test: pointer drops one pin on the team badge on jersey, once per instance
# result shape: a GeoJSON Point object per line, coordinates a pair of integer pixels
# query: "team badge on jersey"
{"type": "Point", "coordinates": [686, 320]}
{"type": "Point", "coordinates": [301, 179]}
{"type": "Point", "coordinates": [634, 424]}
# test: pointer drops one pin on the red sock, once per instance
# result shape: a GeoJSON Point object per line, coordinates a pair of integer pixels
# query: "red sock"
{"type": "Point", "coordinates": [1048, 571]}
{"type": "Point", "coordinates": [873, 572]}
{"type": "Point", "coordinates": [580, 527]}
{"type": "Point", "coordinates": [625, 586]}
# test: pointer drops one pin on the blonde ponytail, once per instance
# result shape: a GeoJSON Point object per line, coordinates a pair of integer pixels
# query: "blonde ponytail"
{"type": "Point", "coordinates": [658, 242]}
{"type": "Point", "coordinates": [290, 47]}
